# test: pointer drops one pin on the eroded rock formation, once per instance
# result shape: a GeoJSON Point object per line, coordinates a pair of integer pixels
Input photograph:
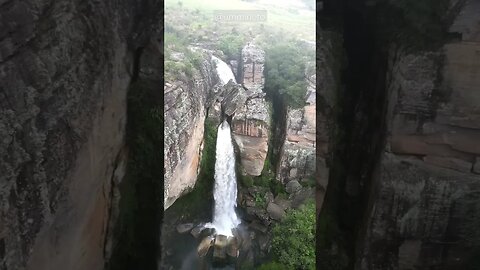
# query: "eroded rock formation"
{"type": "Point", "coordinates": [297, 155]}
{"type": "Point", "coordinates": [186, 100]}
{"type": "Point", "coordinates": [65, 69]}
{"type": "Point", "coordinates": [425, 214]}
{"type": "Point", "coordinates": [250, 124]}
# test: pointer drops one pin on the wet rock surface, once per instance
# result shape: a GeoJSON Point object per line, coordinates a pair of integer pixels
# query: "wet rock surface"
{"type": "Point", "coordinates": [205, 245]}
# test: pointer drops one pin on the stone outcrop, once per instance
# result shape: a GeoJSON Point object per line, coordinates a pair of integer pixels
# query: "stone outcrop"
{"type": "Point", "coordinates": [252, 66]}
{"type": "Point", "coordinates": [250, 124]}
{"type": "Point", "coordinates": [297, 155]}
{"type": "Point", "coordinates": [234, 98]}
{"type": "Point", "coordinates": [65, 67]}
{"type": "Point", "coordinates": [275, 211]}
{"type": "Point", "coordinates": [425, 211]}
{"type": "Point", "coordinates": [185, 101]}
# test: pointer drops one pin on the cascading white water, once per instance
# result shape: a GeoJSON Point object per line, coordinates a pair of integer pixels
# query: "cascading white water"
{"type": "Point", "coordinates": [225, 192]}
{"type": "Point", "coordinates": [223, 70]}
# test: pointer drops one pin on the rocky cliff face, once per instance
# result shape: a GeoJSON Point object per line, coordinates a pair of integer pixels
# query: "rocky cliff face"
{"type": "Point", "coordinates": [250, 124]}
{"type": "Point", "coordinates": [425, 211]}
{"type": "Point", "coordinates": [65, 68]}
{"type": "Point", "coordinates": [186, 101]}
{"type": "Point", "coordinates": [297, 155]}
{"type": "Point", "coordinates": [327, 65]}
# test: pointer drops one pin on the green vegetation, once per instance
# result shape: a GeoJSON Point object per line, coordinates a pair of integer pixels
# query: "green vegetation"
{"type": "Point", "coordinates": [300, 24]}
{"type": "Point", "coordinates": [293, 243]}
{"type": "Point", "coordinates": [247, 180]}
{"type": "Point", "coordinates": [260, 200]}
{"type": "Point", "coordinates": [278, 189]}
{"type": "Point", "coordinates": [231, 45]}
{"type": "Point", "coordinates": [179, 58]}
{"type": "Point", "coordinates": [285, 74]}
{"type": "Point", "coordinates": [309, 182]}
{"type": "Point", "coordinates": [247, 265]}
{"type": "Point", "coordinates": [137, 228]}
{"type": "Point", "coordinates": [266, 177]}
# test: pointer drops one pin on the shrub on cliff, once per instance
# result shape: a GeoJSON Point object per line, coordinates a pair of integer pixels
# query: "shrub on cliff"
{"type": "Point", "coordinates": [293, 243]}
{"type": "Point", "coordinates": [285, 74]}
{"type": "Point", "coordinates": [231, 45]}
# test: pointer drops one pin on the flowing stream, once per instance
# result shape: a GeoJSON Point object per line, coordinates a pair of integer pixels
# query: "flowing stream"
{"type": "Point", "coordinates": [224, 71]}
{"type": "Point", "coordinates": [225, 191]}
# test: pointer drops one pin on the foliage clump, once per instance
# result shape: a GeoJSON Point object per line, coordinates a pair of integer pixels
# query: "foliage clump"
{"type": "Point", "coordinates": [285, 74]}
{"type": "Point", "coordinates": [188, 61]}
{"type": "Point", "coordinates": [293, 243]}
{"type": "Point", "coordinates": [231, 45]}
{"type": "Point", "coordinates": [247, 180]}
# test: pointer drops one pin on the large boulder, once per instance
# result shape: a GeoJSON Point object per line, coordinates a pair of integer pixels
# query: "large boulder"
{"type": "Point", "coordinates": [234, 98]}
{"type": "Point", "coordinates": [219, 248]}
{"type": "Point", "coordinates": [204, 246]}
{"type": "Point", "coordinates": [293, 186]}
{"type": "Point", "coordinates": [276, 212]}
{"type": "Point", "coordinates": [253, 61]}
{"type": "Point", "coordinates": [233, 247]}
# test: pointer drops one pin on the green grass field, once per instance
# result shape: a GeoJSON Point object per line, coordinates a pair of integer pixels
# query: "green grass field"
{"type": "Point", "coordinates": [297, 22]}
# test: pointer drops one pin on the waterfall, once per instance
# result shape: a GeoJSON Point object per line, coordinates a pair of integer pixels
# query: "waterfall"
{"type": "Point", "coordinates": [223, 70]}
{"type": "Point", "coordinates": [225, 192]}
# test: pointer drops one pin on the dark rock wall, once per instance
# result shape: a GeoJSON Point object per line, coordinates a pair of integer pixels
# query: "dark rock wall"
{"type": "Point", "coordinates": [425, 210]}
{"type": "Point", "coordinates": [402, 191]}
{"type": "Point", "coordinates": [64, 71]}
{"type": "Point", "coordinates": [329, 59]}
